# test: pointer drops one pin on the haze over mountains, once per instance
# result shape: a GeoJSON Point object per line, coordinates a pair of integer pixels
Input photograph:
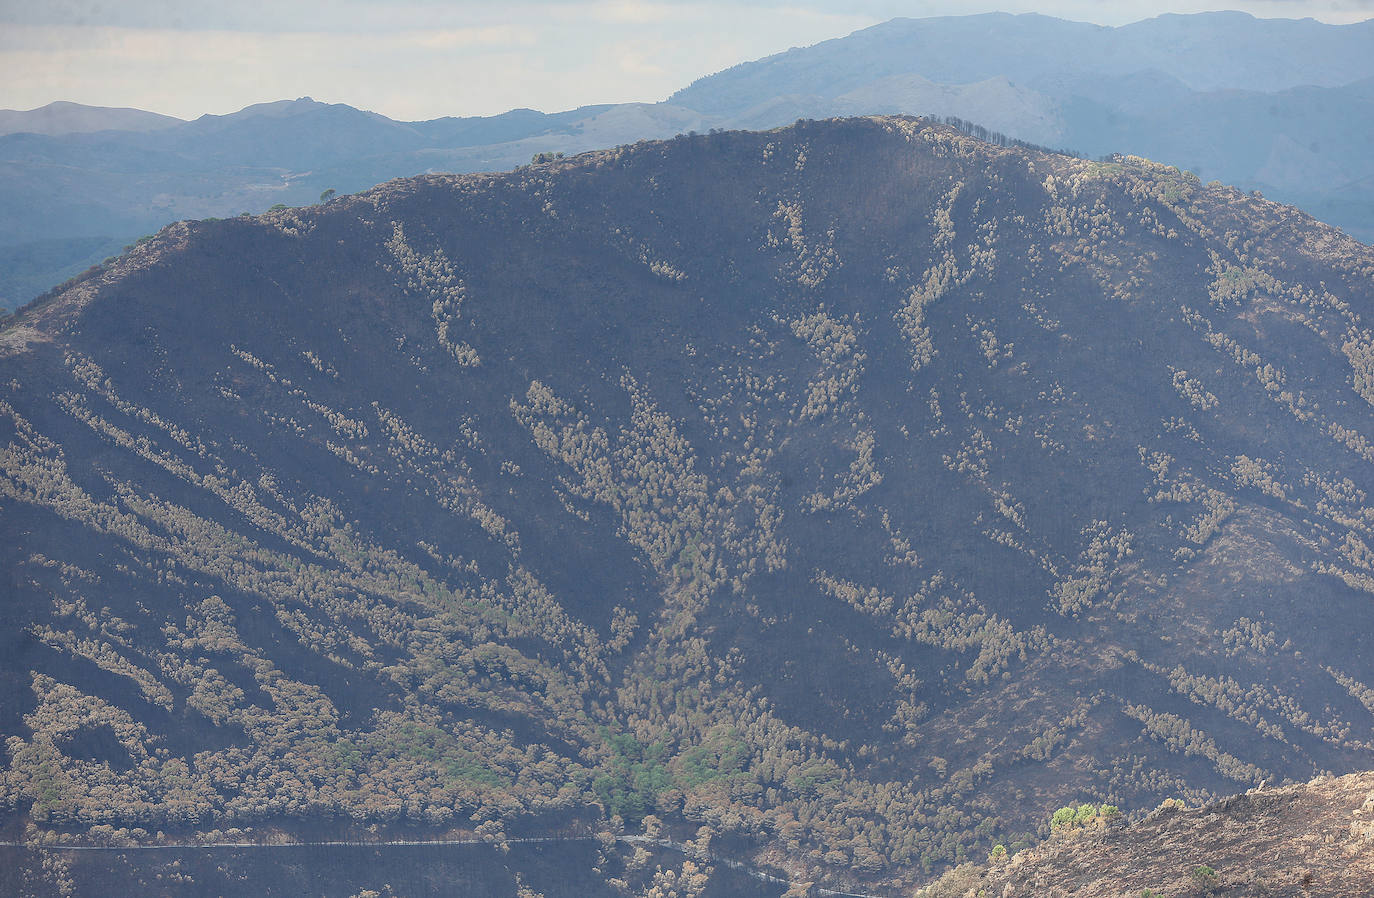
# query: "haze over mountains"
{"type": "Point", "coordinates": [1283, 106]}
{"type": "Point", "coordinates": [844, 499]}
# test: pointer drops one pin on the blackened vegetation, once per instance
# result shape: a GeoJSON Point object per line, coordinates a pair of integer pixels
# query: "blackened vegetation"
{"type": "Point", "coordinates": [855, 494]}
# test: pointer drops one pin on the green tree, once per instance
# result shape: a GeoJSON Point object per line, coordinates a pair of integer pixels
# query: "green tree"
{"type": "Point", "coordinates": [1206, 878]}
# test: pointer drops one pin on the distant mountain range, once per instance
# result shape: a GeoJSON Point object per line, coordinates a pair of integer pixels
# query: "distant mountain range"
{"type": "Point", "coordinates": [1283, 106]}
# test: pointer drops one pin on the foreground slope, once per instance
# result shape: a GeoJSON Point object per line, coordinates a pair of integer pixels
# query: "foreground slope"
{"type": "Point", "coordinates": [1311, 840]}
{"type": "Point", "coordinates": [859, 491]}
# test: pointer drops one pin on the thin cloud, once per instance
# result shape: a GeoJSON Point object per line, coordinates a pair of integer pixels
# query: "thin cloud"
{"type": "Point", "coordinates": [458, 38]}
{"type": "Point", "coordinates": [549, 62]}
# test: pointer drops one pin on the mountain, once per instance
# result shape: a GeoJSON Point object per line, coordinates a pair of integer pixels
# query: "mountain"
{"type": "Point", "coordinates": [72, 200]}
{"type": "Point", "coordinates": [1204, 52]}
{"type": "Point", "coordinates": [1298, 145]}
{"type": "Point", "coordinates": [1310, 839]}
{"type": "Point", "coordinates": [74, 118]}
{"type": "Point", "coordinates": [1275, 105]}
{"type": "Point", "coordinates": [848, 497]}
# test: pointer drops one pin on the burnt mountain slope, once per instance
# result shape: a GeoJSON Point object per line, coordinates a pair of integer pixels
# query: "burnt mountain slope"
{"type": "Point", "coordinates": [859, 491]}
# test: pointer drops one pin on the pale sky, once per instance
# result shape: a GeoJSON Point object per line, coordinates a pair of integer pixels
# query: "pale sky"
{"type": "Point", "coordinates": [420, 59]}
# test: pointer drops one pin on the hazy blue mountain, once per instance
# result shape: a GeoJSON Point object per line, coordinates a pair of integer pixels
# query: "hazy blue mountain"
{"type": "Point", "coordinates": [1278, 105]}
{"type": "Point", "coordinates": [1304, 145]}
{"type": "Point", "coordinates": [62, 117]}
{"type": "Point", "coordinates": [1210, 51]}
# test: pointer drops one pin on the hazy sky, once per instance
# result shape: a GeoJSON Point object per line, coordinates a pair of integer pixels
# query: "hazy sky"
{"type": "Point", "coordinates": [414, 59]}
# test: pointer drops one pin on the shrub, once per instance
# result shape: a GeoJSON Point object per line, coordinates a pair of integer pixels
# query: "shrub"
{"type": "Point", "coordinates": [1075, 817]}
{"type": "Point", "coordinates": [1206, 878]}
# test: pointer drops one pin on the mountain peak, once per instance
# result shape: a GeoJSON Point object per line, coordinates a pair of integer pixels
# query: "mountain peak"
{"type": "Point", "coordinates": [280, 107]}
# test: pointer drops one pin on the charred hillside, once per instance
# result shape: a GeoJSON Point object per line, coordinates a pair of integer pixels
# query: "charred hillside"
{"type": "Point", "coordinates": [858, 491]}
